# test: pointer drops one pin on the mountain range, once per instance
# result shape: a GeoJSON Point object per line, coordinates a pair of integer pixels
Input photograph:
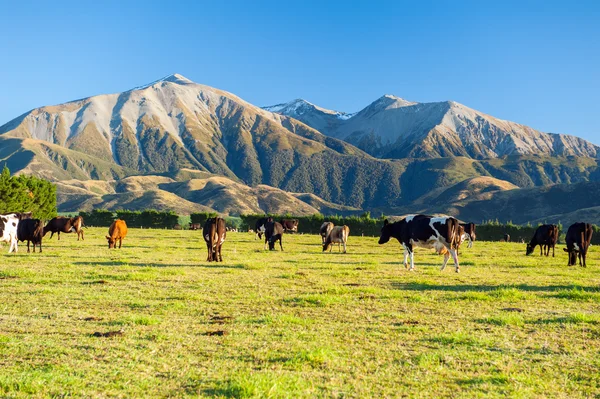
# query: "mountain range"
{"type": "Point", "coordinates": [176, 144]}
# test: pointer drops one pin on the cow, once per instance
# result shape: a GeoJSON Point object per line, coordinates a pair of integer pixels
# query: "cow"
{"type": "Point", "coordinates": [324, 231]}
{"type": "Point", "coordinates": [273, 232]}
{"type": "Point", "coordinates": [441, 233]}
{"type": "Point", "coordinates": [214, 233]}
{"type": "Point", "coordinates": [8, 230]}
{"type": "Point", "coordinates": [506, 238]}
{"type": "Point", "coordinates": [195, 226]}
{"type": "Point", "coordinates": [579, 237]}
{"type": "Point", "coordinates": [290, 225]}
{"type": "Point", "coordinates": [469, 233]}
{"type": "Point", "coordinates": [259, 226]}
{"type": "Point", "coordinates": [32, 231]}
{"type": "Point", "coordinates": [116, 232]}
{"type": "Point", "coordinates": [339, 235]}
{"type": "Point", "coordinates": [546, 236]}
{"type": "Point", "coordinates": [61, 224]}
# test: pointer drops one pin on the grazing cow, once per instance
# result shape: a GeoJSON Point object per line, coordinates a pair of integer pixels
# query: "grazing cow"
{"type": "Point", "coordinates": [116, 231]}
{"type": "Point", "coordinates": [441, 233]}
{"type": "Point", "coordinates": [8, 230]}
{"type": "Point", "coordinates": [546, 236]}
{"type": "Point", "coordinates": [32, 231]}
{"type": "Point", "coordinates": [259, 227]}
{"type": "Point", "coordinates": [273, 232]}
{"type": "Point", "coordinates": [195, 226]}
{"type": "Point", "coordinates": [290, 225]}
{"type": "Point", "coordinates": [579, 237]}
{"type": "Point", "coordinates": [469, 233]}
{"type": "Point", "coordinates": [506, 238]}
{"type": "Point", "coordinates": [339, 235]}
{"type": "Point", "coordinates": [324, 231]}
{"type": "Point", "coordinates": [214, 233]}
{"type": "Point", "coordinates": [61, 224]}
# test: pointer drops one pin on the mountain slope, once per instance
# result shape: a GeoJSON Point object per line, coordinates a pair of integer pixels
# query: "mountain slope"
{"type": "Point", "coordinates": [392, 127]}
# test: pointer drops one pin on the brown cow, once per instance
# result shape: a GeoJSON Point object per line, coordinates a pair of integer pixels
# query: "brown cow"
{"type": "Point", "coordinates": [214, 233]}
{"type": "Point", "coordinates": [339, 235]}
{"type": "Point", "coordinates": [325, 230]}
{"type": "Point", "coordinates": [117, 231]}
{"type": "Point", "coordinates": [63, 224]}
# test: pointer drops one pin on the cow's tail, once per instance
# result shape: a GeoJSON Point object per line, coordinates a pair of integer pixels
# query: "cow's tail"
{"type": "Point", "coordinates": [453, 233]}
{"type": "Point", "coordinates": [588, 236]}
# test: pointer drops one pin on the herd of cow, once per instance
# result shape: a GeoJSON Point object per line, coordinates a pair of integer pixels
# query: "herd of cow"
{"type": "Point", "coordinates": [444, 234]}
{"type": "Point", "coordinates": [19, 226]}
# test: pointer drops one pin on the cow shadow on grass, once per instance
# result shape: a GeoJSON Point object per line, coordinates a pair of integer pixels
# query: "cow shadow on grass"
{"type": "Point", "coordinates": [215, 265]}
{"type": "Point", "coordinates": [412, 286]}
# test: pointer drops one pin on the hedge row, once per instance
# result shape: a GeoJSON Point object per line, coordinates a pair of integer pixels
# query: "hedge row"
{"type": "Point", "coordinates": [359, 225]}
{"type": "Point", "coordinates": [147, 219]}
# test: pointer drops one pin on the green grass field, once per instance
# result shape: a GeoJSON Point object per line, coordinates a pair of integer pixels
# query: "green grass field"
{"type": "Point", "coordinates": [295, 324]}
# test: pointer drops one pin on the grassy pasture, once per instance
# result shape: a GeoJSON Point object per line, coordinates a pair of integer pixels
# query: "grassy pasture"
{"type": "Point", "coordinates": [294, 324]}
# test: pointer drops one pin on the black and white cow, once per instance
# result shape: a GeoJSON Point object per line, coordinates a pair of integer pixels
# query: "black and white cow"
{"type": "Point", "coordinates": [579, 237]}
{"type": "Point", "coordinates": [8, 230]}
{"type": "Point", "coordinates": [259, 228]}
{"type": "Point", "coordinates": [441, 233]}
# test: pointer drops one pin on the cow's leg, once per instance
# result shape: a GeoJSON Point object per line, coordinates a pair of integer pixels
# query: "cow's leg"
{"type": "Point", "coordinates": [446, 258]}
{"type": "Point", "coordinates": [80, 232]}
{"type": "Point", "coordinates": [58, 235]}
{"type": "Point", "coordinates": [455, 257]}
{"type": "Point", "coordinates": [344, 246]}
{"type": "Point", "coordinates": [209, 250]}
{"type": "Point", "coordinates": [405, 254]}
{"type": "Point", "coordinates": [28, 247]}
{"type": "Point", "coordinates": [553, 251]}
{"type": "Point", "coordinates": [51, 234]}
{"type": "Point", "coordinates": [120, 242]}
{"type": "Point", "coordinates": [265, 242]}
{"type": "Point", "coordinates": [280, 243]}
{"type": "Point", "coordinates": [412, 259]}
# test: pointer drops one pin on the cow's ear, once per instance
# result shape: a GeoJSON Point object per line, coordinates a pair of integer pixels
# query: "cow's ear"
{"type": "Point", "coordinates": [385, 222]}
{"type": "Point", "coordinates": [107, 237]}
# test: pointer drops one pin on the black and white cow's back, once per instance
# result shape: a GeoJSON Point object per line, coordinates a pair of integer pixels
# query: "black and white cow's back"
{"type": "Point", "coordinates": [442, 233]}
{"type": "Point", "coordinates": [260, 226]}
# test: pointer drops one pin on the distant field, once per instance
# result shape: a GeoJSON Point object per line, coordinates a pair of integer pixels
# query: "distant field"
{"type": "Point", "coordinates": [295, 324]}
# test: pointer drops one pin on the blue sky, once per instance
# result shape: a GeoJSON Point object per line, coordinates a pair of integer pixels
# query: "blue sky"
{"type": "Point", "coordinates": [533, 62]}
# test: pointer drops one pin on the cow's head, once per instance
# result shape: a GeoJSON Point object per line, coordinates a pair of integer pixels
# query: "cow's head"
{"type": "Point", "coordinates": [111, 242]}
{"type": "Point", "coordinates": [386, 232]}
{"type": "Point", "coordinates": [530, 249]}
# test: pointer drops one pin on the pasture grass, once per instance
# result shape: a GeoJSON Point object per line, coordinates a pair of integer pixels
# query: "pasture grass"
{"type": "Point", "coordinates": [154, 319]}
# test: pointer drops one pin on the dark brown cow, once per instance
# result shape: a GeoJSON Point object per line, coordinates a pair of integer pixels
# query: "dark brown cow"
{"type": "Point", "coordinates": [506, 238]}
{"type": "Point", "coordinates": [61, 224]}
{"type": "Point", "coordinates": [32, 231]}
{"type": "Point", "coordinates": [324, 231]}
{"type": "Point", "coordinates": [273, 232]}
{"type": "Point", "coordinates": [289, 224]}
{"type": "Point", "coordinates": [339, 235]}
{"type": "Point", "coordinates": [546, 236]}
{"type": "Point", "coordinates": [214, 233]}
{"type": "Point", "coordinates": [116, 232]}
{"type": "Point", "coordinates": [579, 237]}
{"type": "Point", "coordinates": [195, 226]}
